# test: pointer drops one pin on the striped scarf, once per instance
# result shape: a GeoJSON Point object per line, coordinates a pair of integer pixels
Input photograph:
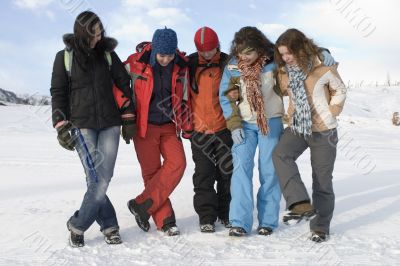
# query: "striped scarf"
{"type": "Point", "coordinates": [251, 75]}
{"type": "Point", "coordinates": [302, 116]}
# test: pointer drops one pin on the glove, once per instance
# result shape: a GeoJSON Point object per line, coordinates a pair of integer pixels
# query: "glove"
{"type": "Point", "coordinates": [187, 134]}
{"type": "Point", "coordinates": [238, 136]}
{"type": "Point", "coordinates": [64, 137]}
{"type": "Point", "coordinates": [327, 58]}
{"type": "Point", "coordinates": [129, 128]}
{"type": "Point", "coordinates": [233, 95]}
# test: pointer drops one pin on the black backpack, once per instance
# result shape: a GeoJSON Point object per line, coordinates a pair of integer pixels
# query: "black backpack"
{"type": "Point", "coordinates": [194, 64]}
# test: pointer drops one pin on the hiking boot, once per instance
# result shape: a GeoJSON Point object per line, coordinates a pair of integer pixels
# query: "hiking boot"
{"type": "Point", "coordinates": [264, 231]}
{"type": "Point", "coordinates": [303, 209]}
{"type": "Point", "coordinates": [170, 229]}
{"type": "Point", "coordinates": [113, 238]}
{"type": "Point", "coordinates": [207, 228]}
{"type": "Point", "coordinates": [75, 240]}
{"type": "Point", "coordinates": [318, 236]}
{"type": "Point", "coordinates": [141, 222]}
{"type": "Point", "coordinates": [299, 212]}
{"type": "Point", "coordinates": [225, 222]}
{"type": "Point", "coordinates": [237, 231]}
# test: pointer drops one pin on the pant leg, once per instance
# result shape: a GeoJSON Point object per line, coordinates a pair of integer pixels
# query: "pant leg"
{"type": "Point", "coordinates": [323, 156]}
{"type": "Point", "coordinates": [224, 168]}
{"type": "Point", "coordinates": [149, 157]}
{"type": "Point", "coordinates": [108, 143]}
{"type": "Point", "coordinates": [269, 193]}
{"type": "Point", "coordinates": [103, 156]}
{"type": "Point", "coordinates": [241, 207]}
{"type": "Point", "coordinates": [289, 148]}
{"type": "Point", "coordinates": [205, 200]}
{"type": "Point", "coordinates": [164, 181]}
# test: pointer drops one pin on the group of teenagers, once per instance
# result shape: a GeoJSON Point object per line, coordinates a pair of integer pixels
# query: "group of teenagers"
{"type": "Point", "coordinates": [226, 105]}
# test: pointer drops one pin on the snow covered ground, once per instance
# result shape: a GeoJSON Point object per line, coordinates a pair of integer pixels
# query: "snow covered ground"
{"type": "Point", "coordinates": [43, 184]}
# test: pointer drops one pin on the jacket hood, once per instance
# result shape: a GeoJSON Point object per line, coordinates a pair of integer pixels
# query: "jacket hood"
{"type": "Point", "coordinates": [106, 44]}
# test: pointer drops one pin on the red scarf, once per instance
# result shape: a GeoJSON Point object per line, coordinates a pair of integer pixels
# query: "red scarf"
{"type": "Point", "coordinates": [251, 75]}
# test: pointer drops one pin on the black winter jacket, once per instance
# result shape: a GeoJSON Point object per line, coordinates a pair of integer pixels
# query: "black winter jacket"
{"type": "Point", "coordinates": [89, 101]}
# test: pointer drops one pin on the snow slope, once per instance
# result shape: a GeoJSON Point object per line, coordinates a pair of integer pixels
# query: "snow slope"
{"type": "Point", "coordinates": [42, 185]}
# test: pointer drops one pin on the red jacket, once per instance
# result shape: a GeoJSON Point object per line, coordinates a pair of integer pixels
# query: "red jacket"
{"type": "Point", "coordinates": [138, 65]}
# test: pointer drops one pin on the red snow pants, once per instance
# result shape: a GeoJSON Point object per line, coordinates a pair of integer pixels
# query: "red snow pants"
{"type": "Point", "coordinates": [160, 177]}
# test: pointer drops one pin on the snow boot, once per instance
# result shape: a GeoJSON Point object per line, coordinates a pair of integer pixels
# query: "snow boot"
{"type": "Point", "coordinates": [237, 231]}
{"type": "Point", "coordinates": [75, 240]}
{"type": "Point", "coordinates": [207, 228]}
{"type": "Point", "coordinates": [170, 229]}
{"type": "Point", "coordinates": [299, 212]}
{"type": "Point", "coordinates": [318, 236]}
{"type": "Point", "coordinates": [141, 222]}
{"type": "Point", "coordinates": [113, 238]}
{"type": "Point", "coordinates": [225, 222]}
{"type": "Point", "coordinates": [264, 231]}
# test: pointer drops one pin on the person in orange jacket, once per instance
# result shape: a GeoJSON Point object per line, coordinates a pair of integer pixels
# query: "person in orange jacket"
{"type": "Point", "coordinates": [160, 80]}
{"type": "Point", "coordinates": [211, 141]}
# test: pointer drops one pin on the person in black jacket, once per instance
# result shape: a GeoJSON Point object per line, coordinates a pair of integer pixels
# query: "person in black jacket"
{"type": "Point", "coordinates": [87, 118]}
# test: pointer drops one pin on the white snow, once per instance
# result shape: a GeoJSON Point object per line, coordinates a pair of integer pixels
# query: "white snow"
{"type": "Point", "coordinates": [43, 184]}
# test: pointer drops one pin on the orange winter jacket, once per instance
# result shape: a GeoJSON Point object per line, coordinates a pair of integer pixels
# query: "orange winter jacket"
{"type": "Point", "coordinates": [206, 110]}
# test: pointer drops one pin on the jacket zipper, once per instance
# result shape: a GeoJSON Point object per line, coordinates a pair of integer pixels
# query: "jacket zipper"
{"type": "Point", "coordinates": [95, 94]}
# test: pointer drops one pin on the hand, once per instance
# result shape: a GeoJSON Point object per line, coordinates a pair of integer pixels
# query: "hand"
{"type": "Point", "coordinates": [64, 137]}
{"type": "Point", "coordinates": [233, 95]}
{"type": "Point", "coordinates": [238, 136]}
{"type": "Point", "coordinates": [327, 58]}
{"type": "Point", "coordinates": [129, 129]}
{"type": "Point", "coordinates": [187, 134]}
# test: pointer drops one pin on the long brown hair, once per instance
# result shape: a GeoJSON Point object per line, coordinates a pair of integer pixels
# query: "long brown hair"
{"type": "Point", "coordinates": [84, 30]}
{"type": "Point", "coordinates": [303, 49]}
{"type": "Point", "coordinates": [253, 38]}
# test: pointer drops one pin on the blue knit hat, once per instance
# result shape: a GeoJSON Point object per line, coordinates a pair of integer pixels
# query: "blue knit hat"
{"type": "Point", "coordinates": [164, 42]}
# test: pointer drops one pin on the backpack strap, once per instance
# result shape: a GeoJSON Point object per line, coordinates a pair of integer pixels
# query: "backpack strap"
{"type": "Point", "coordinates": [107, 55]}
{"type": "Point", "coordinates": [68, 56]}
{"type": "Point", "coordinates": [194, 64]}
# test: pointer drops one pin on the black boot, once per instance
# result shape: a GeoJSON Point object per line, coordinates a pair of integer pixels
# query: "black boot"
{"type": "Point", "coordinates": [225, 222]}
{"type": "Point", "coordinates": [264, 231]}
{"type": "Point", "coordinates": [170, 229]}
{"type": "Point", "coordinates": [141, 221]}
{"type": "Point", "coordinates": [113, 238]}
{"type": "Point", "coordinates": [318, 236]}
{"type": "Point", "coordinates": [207, 228]}
{"type": "Point", "coordinates": [237, 231]}
{"type": "Point", "coordinates": [75, 240]}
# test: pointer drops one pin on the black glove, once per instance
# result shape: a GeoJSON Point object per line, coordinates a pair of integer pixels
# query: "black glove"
{"type": "Point", "coordinates": [64, 137]}
{"type": "Point", "coordinates": [129, 129]}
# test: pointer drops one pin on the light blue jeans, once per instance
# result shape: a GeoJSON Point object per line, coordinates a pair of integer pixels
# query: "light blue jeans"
{"type": "Point", "coordinates": [269, 194]}
{"type": "Point", "coordinates": [96, 206]}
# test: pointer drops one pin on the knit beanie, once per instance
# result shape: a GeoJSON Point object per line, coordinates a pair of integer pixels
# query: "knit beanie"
{"type": "Point", "coordinates": [206, 39]}
{"type": "Point", "coordinates": [164, 42]}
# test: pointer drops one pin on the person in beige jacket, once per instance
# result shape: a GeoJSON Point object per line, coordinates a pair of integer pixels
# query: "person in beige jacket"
{"type": "Point", "coordinates": [316, 97]}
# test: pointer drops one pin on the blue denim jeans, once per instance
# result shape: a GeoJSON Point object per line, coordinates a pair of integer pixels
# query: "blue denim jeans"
{"type": "Point", "coordinates": [96, 206]}
{"type": "Point", "coordinates": [269, 194]}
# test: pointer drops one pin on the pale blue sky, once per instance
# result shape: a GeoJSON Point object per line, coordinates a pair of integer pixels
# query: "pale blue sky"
{"type": "Point", "coordinates": [361, 34]}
